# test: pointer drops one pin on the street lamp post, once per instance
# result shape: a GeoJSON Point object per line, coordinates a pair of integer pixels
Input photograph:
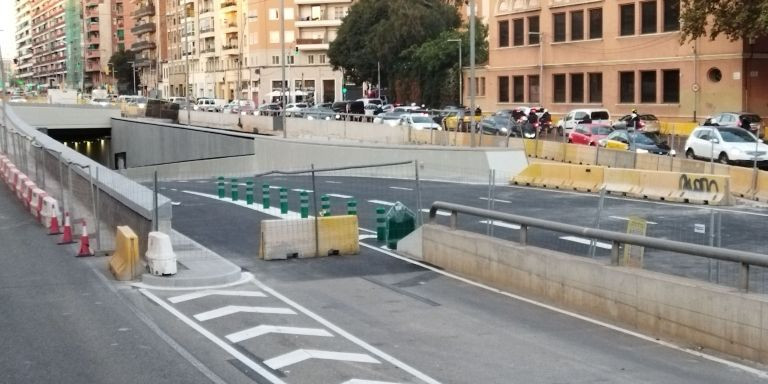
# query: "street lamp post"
{"type": "Point", "coordinates": [472, 28]}
{"type": "Point", "coordinates": [133, 69]}
{"type": "Point", "coordinates": [282, 66]}
{"type": "Point", "coordinates": [186, 58]}
{"type": "Point", "coordinates": [461, 75]}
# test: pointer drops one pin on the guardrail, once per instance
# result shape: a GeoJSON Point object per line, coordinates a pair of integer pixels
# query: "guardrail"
{"type": "Point", "coordinates": [617, 239]}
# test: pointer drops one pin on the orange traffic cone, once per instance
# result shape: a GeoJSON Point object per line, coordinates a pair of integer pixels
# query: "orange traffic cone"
{"type": "Point", "coordinates": [54, 225]}
{"type": "Point", "coordinates": [66, 237]}
{"type": "Point", "coordinates": [85, 248]}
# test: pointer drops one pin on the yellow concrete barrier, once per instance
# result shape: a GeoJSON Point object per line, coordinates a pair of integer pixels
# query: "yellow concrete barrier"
{"type": "Point", "coordinates": [557, 176]}
{"type": "Point", "coordinates": [552, 150]}
{"type": "Point", "coordinates": [742, 182]}
{"type": "Point", "coordinates": [580, 154]}
{"type": "Point", "coordinates": [125, 263]}
{"type": "Point", "coordinates": [623, 182]}
{"type": "Point", "coordinates": [587, 178]}
{"type": "Point", "coordinates": [338, 235]}
{"type": "Point", "coordinates": [681, 129]}
{"type": "Point", "coordinates": [532, 147]}
{"type": "Point", "coordinates": [683, 187]}
{"type": "Point", "coordinates": [761, 192]}
{"type": "Point", "coordinates": [529, 176]}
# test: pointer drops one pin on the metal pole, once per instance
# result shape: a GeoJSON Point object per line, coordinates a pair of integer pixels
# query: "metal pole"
{"type": "Point", "coordinates": [314, 203]}
{"type": "Point", "coordinates": [42, 158]}
{"type": "Point", "coordinates": [154, 202]}
{"type": "Point", "coordinates": [712, 152]}
{"type": "Point", "coordinates": [96, 207]}
{"type": "Point", "coordinates": [490, 197]}
{"type": "Point", "coordinates": [133, 69]}
{"type": "Point", "coordinates": [378, 80]}
{"type": "Point", "coordinates": [420, 220]}
{"type": "Point", "coordinates": [282, 69]}
{"type": "Point", "coordinates": [186, 57]}
{"type": "Point", "coordinates": [472, 69]}
{"type": "Point", "coordinates": [61, 179]}
{"type": "Point", "coordinates": [93, 196]}
{"type": "Point", "coordinates": [493, 196]}
{"type": "Point", "coordinates": [600, 204]}
{"type": "Point", "coordinates": [68, 203]}
{"type": "Point", "coordinates": [718, 244]}
{"type": "Point", "coordinates": [461, 78]}
{"type": "Point", "coordinates": [711, 241]}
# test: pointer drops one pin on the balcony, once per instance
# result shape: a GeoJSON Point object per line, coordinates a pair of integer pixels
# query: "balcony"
{"type": "Point", "coordinates": [205, 50]}
{"type": "Point", "coordinates": [321, 2]}
{"type": "Point", "coordinates": [143, 63]}
{"type": "Point", "coordinates": [229, 25]}
{"type": "Point", "coordinates": [229, 4]}
{"type": "Point", "coordinates": [144, 28]}
{"type": "Point", "coordinates": [93, 67]}
{"type": "Point", "coordinates": [204, 30]}
{"type": "Point", "coordinates": [147, 10]}
{"type": "Point", "coordinates": [92, 27]}
{"type": "Point", "coordinates": [308, 22]}
{"type": "Point", "coordinates": [142, 46]}
{"type": "Point", "coordinates": [92, 53]}
{"type": "Point", "coordinates": [230, 49]}
{"type": "Point", "coordinates": [312, 44]}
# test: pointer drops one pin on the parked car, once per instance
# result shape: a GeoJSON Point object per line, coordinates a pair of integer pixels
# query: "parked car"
{"type": "Point", "coordinates": [320, 113]}
{"type": "Point", "coordinates": [17, 99]}
{"type": "Point", "coordinates": [728, 145]}
{"type": "Point", "coordinates": [295, 109]}
{"type": "Point", "coordinates": [589, 134]}
{"type": "Point", "coordinates": [140, 102]}
{"type": "Point", "coordinates": [596, 116]}
{"type": "Point", "coordinates": [271, 109]}
{"type": "Point", "coordinates": [419, 122]}
{"type": "Point", "coordinates": [243, 107]}
{"type": "Point", "coordinates": [388, 118]}
{"type": "Point", "coordinates": [100, 102]}
{"type": "Point", "coordinates": [210, 105]}
{"type": "Point", "coordinates": [637, 141]}
{"type": "Point", "coordinates": [182, 104]}
{"type": "Point", "coordinates": [177, 99]}
{"type": "Point", "coordinates": [648, 123]}
{"type": "Point", "coordinates": [734, 119]}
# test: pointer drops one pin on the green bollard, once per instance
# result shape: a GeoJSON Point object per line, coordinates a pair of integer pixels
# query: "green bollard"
{"type": "Point", "coordinates": [265, 196]}
{"type": "Point", "coordinates": [249, 192]}
{"type": "Point", "coordinates": [325, 205]}
{"type": "Point", "coordinates": [304, 204]}
{"type": "Point", "coordinates": [381, 224]}
{"type": "Point", "coordinates": [352, 207]}
{"type": "Point", "coordinates": [283, 200]}
{"type": "Point", "coordinates": [234, 189]}
{"type": "Point", "coordinates": [221, 188]}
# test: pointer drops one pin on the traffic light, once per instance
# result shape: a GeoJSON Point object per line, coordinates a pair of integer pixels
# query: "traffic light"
{"type": "Point", "coordinates": [297, 50]}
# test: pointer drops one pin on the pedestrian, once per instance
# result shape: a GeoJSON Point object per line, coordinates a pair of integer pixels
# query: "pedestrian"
{"type": "Point", "coordinates": [634, 120]}
{"type": "Point", "coordinates": [745, 123]}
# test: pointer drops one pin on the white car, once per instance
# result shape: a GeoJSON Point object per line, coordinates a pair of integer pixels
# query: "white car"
{"type": "Point", "coordinates": [419, 122]}
{"type": "Point", "coordinates": [389, 118]}
{"type": "Point", "coordinates": [295, 109]}
{"type": "Point", "coordinates": [576, 116]}
{"type": "Point", "coordinates": [726, 145]}
{"type": "Point", "coordinates": [17, 99]}
{"type": "Point", "coordinates": [101, 102]}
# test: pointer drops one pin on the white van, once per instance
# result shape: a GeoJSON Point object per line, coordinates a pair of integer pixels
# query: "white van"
{"type": "Point", "coordinates": [576, 116]}
{"type": "Point", "coordinates": [210, 105]}
{"type": "Point", "coordinates": [125, 99]}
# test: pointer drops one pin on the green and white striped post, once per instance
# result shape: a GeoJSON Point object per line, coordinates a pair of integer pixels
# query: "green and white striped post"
{"type": "Point", "coordinates": [249, 192]}
{"type": "Point", "coordinates": [221, 187]}
{"type": "Point", "coordinates": [234, 188]}
{"type": "Point", "coordinates": [352, 207]}
{"type": "Point", "coordinates": [325, 205]}
{"type": "Point", "coordinates": [381, 224]}
{"type": "Point", "coordinates": [304, 204]}
{"type": "Point", "coordinates": [283, 200]}
{"type": "Point", "coordinates": [265, 196]}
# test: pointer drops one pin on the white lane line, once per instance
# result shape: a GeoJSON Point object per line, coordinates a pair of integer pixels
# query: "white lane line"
{"type": "Point", "coordinates": [271, 211]}
{"type": "Point", "coordinates": [358, 381]}
{"type": "Point", "coordinates": [300, 355]}
{"type": "Point", "coordinates": [174, 189]}
{"type": "Point", "coordinates": [182, 181]}
{"type": "Point", "coordinates": [261, 371]}
{"type": "Point", "coordinates": [627, 219]}
{"type": "Point", "coordinates": [210, 292]}
{"type": "Point", "coordinates": [299, 190]}
{"type": "Point", "coordinates": [496, 200]}
{"type": "Point", "coordinates": [176, 203]}
{"type": "Point", "coordinates": [363, 237]}
{"type": "Point", "coordinates": [584, 241]}
{"type": "Point", "coordinates": [439, 213]}
{"type": "Point", "coordinates": [338, 195]}
{"type": "Point", "coordinates": [381, 202]}
{"type": "Point", "coordinates": [745, 368]}
{"type": "Point", "coordinates": [201, 182]}
{"type": "Point", "coordinates": [232, 309]}
{"type": "Point", "coordinates": [366, 230]}
{"type": "Point", "coordinates": [381, 354]}
{"type": "Point", "coordinates": [274, 187]}
{"type": "Point", "coordinates": [333, 182]}
{"type": "Point", "coordinates": [266, 329]}
{"type": "Point", "coordinates": [500, 224]}
{"type": "Point", "coordinates": [402, 188]}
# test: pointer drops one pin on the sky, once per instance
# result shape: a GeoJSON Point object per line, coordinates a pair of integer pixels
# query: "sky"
{"type": "Point", "coordinates": [8, 27]}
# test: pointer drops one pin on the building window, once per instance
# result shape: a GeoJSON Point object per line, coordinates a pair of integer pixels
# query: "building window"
{"type": "Point", "coordinates": [577, 88]}
{"type": "Point", "coordinates": [518, 35]}
{"type": "Point", "coordinates": [275, 60]}
{"type": "Point", "coordinates": [274, 37]}
{"type": "Point", "coordinates": [503, 89]}
{"type": "Point", "coordinates": [648, 86]}
{"type": "Point", "coordinates": [504, 33]}
{"type": "Point", "coordinates": [595, 87]}
{"type": "Point", "coordinates": [577, 25]}
{"type": "Point", "coordinates": [533, 30]}
{"type": "Point", "coordinates": [559, 27]}
{"type": "Point", "coordinates": [671, 86]}
{"type": "Point", "coordinates": [290, 59]}
{"type": "Point", "coordinates": [671, 15]}
{"type": "Point", "coordinates": [480, 86]}
{"type": "Point", "coordinates": [311, 59]}
{"type": "Point", "coordinates": [533, 89]}
{"type": "Point", "coordinates": [627, 87]}
{"type": "Point", "coordinates": [596, 23]}
{"type": "Point", "coordinates": [288, 13]}
{"type": "Point", "coordinates": [322, 59]}
{"type": "Point", "coordinates": [518, 89]}
{"type": "Point", "coordinates": [274, 14]}
{"type": "Point", "coordinates": [558, 84]}
{"type": "Point", "coordinates": [648, 11]}
{"type": "Point", "coordinates": [627, 19]}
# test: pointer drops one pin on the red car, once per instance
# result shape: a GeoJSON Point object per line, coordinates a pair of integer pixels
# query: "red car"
{"type": "Point", "coordinates": [589, 134]}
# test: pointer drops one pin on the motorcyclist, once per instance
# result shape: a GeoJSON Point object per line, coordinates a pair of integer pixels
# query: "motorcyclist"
{"type": "Point", "coordinates": [546, 120]}
{"type": "Point", "coordinates": [533, 118]}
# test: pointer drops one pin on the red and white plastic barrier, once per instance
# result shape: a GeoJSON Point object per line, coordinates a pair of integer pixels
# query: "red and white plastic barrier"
{"type": "Point", "coordinates": [26, 192]}
{"type": "Point", "coordinates": [51, 215]}
{"type": "Point", "coordinates": [36, 204]}
{"type": "Point", "coordinates": [19, 185]}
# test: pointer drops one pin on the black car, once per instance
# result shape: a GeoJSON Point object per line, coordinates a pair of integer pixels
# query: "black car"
{"type": "Point", "coordinates": [349, 106]}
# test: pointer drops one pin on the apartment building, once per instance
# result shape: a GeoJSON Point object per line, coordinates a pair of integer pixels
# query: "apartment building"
{"type": "Point", "coordinates": [619, 55]}
{"type": "Point", "coordinates": [46, 40]}
{"type": "Point", "coordinates": [23, 39]}
{"type": "Point", "coordinates": [150, 42]}
{"type": "Point", "coordinates": [107, 26]}
{"type": "Point", "coordinates": [235, 49]}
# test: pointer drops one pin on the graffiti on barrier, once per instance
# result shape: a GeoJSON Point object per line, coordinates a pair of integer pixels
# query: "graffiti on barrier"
{"type": "Point", "coordinates": [698, 184]}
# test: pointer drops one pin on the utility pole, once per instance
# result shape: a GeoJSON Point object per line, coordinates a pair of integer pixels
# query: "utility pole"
{"type": "Point", "coordinates": [133, 69]}
{"type": "Point", "coordinates": [378, 80]}
{"type": "Point", "coordinates": [472, 70]}
{"type": "Point", "coordinates": [282, 65]}
{"type": "Point", "coordinates": [240, 44]}
{"type": "Point", "coordinates": [186, 58]}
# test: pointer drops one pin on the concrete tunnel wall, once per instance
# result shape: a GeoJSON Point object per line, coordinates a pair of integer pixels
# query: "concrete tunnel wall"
{"type": "Point", "coordinates": [65, 116]}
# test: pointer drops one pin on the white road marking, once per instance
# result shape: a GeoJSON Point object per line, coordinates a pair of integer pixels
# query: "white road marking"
{"type": "Point", "coordinates": [182, 181]}
{"type": "Point", "coordinates": [402, 188]}
{"type": "Point", "coordinates": [745, 368]}
{"type": "Point", "coordinates": [199, 294]}
{"type": "Point", "coordinates": [496, 200]}
{"type": "Point", "coordinates": [174, 189]}
{"type": "Point", "coordinates": [366, 230]}
{"type": "Point", "coordinates": [266, 329]}
{"type": "Point", "coordinates": [333, 182]}
{"type": "Point", "coordinates": [363, 237]}
{"type": "Point", "coordinates": [300, 355]}
{"type": "Point", "coordinates": [274, 187]}
{"type": "Point", "coordinates": [627, 219]}
{"type": "Point", "coordinates": [500, 224]}
{"type": "Point", "coordinates": [338, 195]}
{"type": "Point", "coordinates": [381, 354]}
{"type": "Point", "coordinates": [439, 213]}
{"type": "Point", "coordinates": [380, 202]}
{"type": "Point", "coordinates": [244, 278]}
{"type": "Point", "coordinates": [299, 190]}
{"type": "Point", "coordinates": [584, 241]}
{"type": "Point", "coordinates": [201, 182]}
{"type": "Point", "coordinates": [232, 309]}
{"type": "Point", "coordinates": [261, 371]}
{"type": "Point", "coordinates": [175, 203]}
{"type": "Point", "coordinates": [358, 381]}
{"type": "Point", "coordinates": [271, 211]}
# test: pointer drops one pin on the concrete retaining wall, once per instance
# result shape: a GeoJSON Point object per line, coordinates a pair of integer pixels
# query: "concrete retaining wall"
{"type": "Point", "coordinates": [148, 143]}
{"type": "Point", "coordinates": [689, 311]}
{"type": "Point", "coordinates": [65, 116]}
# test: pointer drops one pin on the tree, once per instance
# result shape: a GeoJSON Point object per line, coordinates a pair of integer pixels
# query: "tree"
{"type": "Point", "coordinates": [736, 19]}
{"type": "Point", "coordinates": [123, 70]}
{"type": "Point", "coordinates": [377, 32]}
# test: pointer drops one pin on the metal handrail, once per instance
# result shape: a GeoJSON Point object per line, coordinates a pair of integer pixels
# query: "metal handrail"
{"type": "Point", "coordinates": [745, 259]}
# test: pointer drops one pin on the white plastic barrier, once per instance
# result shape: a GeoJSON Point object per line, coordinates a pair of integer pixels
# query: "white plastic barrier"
{"type": "Point", "coordinates": [11, 177]}
{"type": "Point", "coordinates": [36, 203]}
{"type": "Point", "coordinates": [19, 184]}
{"type": "Point", "coordinates": [26, 192]}
{"type": "Point", "coordinates": [50, 209]}
{"type": "Point", "coordinates": [160, 257]}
